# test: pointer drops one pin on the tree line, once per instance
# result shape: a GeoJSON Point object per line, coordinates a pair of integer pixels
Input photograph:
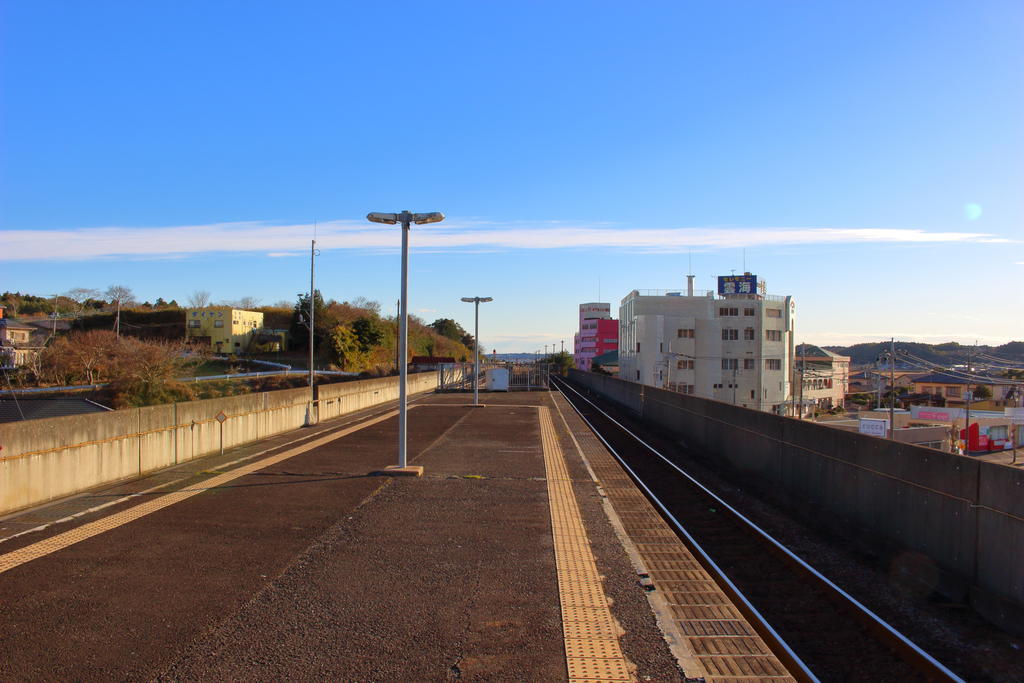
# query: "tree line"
{"type": "Point", "coordinates": [141, 363]}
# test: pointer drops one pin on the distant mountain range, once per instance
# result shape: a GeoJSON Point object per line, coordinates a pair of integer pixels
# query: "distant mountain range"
{"type": "Point", "coordinates": [950, 353]}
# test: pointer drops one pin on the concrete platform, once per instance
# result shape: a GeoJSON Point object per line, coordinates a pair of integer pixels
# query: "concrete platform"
{"type": "Point", "coordinates": [503, 561]}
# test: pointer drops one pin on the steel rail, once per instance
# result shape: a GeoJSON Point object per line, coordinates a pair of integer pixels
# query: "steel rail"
{"type": "Point", "coordinates": [904, 647]}
{"type": "Point", "coordinates": [775, 641]}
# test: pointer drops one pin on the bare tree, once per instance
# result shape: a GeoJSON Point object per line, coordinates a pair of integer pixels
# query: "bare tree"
{"type": "Point", "coordinates": [199, 299]}
{"type": "Point", "coordinates": [79, 296]}
{"type": "Point", "coordinates": [248, 302]}
{"type": "Point", "coordinates": [121, 296]}
{"type": "Point", "coordinates": [368, 304]}
{"type": "Point", "coordinates": [85, 356]}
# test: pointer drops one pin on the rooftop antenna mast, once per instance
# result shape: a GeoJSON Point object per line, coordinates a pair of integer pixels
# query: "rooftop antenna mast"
{"type": "Point", "coordinates": [689, 273]}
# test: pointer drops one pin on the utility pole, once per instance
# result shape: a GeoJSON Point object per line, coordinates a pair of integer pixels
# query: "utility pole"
{"type": "Point", "coordinates": [800, 410]}
{"type": "Point", "coordinates": [312, 307]}
{"type": "Point", "coordinates": [878, 385]}
{"type": "Point", "coordinates": [967, 420]}
{"type": "Point", "coordinates": [398, 314]}
{"type": "Point", "coordinates": [1014, 424]}
{"type": "Point", "coordinates": [312, 313]}
{"type": "Point", "coordinates": [892, 388]}
{"type": "Point", "coordinates": [563, 346]}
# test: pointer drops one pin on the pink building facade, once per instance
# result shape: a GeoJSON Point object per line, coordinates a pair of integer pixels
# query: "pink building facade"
{"type": "Point", "coordinates": [598, 333]}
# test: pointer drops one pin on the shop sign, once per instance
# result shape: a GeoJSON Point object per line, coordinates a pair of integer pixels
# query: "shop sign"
{"type": "Point", "coordinates": [873, 427]}
{"type": "Point", "coordinates": [939, 414]}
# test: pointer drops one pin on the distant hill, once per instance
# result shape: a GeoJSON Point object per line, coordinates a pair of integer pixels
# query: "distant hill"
{"type": "Point", "coordinates": [949, 353]}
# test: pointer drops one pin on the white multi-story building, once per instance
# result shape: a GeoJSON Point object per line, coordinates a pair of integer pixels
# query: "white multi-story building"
{"type": "Point", "coordinates": [736, 348]}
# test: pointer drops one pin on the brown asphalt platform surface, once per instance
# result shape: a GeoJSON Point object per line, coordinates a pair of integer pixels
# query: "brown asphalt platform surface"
{"type": "Point", "coordinates": [315, 568]}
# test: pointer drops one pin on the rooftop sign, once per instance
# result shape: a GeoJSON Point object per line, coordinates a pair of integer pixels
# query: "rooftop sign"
{"type": "Point", "coordinates": [737, 284]}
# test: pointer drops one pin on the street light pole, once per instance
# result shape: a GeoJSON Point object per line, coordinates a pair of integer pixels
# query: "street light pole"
{"type": "Point", "coordinates": [406, 218]}
{"type": "Point", "coordinates": [476, 301]}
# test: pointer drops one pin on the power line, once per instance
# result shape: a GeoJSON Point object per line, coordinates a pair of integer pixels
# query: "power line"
{"type": "Point", "coordinates": [1018, 363]}
{"type": "Point", "coordinates": [921, 363]}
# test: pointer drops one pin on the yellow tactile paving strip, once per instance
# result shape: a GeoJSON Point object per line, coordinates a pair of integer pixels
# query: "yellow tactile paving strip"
{"type": "Point", "coordinates": [719, 637]}
{"type": "Point", "coordinates": [592, 650]}
{"type": "Point", "coordinates": [50, 545]}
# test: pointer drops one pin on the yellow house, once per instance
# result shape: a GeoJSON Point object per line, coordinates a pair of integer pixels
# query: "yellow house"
{"type": "Point", "coordinates": [224, 329]}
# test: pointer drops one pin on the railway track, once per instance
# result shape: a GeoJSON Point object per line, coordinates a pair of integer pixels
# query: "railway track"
{"type": "Point", "coordinates": [822, 632]}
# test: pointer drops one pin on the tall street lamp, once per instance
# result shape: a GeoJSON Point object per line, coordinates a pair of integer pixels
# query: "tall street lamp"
{"type": "Point", "coordinates": [406, 219]}
{"type": "Point", "coordinates": [476, 300]}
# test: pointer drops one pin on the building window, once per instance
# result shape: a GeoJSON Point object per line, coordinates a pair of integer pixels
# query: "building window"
{"type": "Point", "coordinates": [773, 312]}
{"type": "Point", "coordinates": [729, 334]}
{"type": "Point", "coordinates": [752, 394]}
{"type": "Point", "coordinates": [773, 335]}
{"type": "Point", "coordinates": [193, 323]}
{"type": "Point", "coordinates": [218, 323]}
{"type": "Point", "coordinates": [717, 386]}
{"type": "Point", "coordinates": [772, 364]}
{"type": "Point", "coordinates": [687, 388]}
{"type": "Point", "coordinates": [638, 375]}
{"type": "Point", "coordinates": [725, 311]}
{"type": "Point", "coordinates": [685, 333]}
{"type": "Point", "coordinates": [748, 311]}
{"type": "Point", "coordinates": [953, 392]}
{"type": "Point", "coordinates": [748, 334]}
{"type": "Point", "coordinates": [638, 348]}
{"type": "Point", "coordinates": [661, 347]}
{"type": "Point", "coordinates": [730, 363]}
{"type": "Point", "coordinates": [748, 363]}
{"type": "Point", "coordinates": [684, 364]}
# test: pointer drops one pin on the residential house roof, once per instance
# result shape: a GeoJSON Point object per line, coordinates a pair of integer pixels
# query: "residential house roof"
{"type": "Point", "coordinates": [15, 324]}
{"type": "Point", "coordinates": [941, 378]}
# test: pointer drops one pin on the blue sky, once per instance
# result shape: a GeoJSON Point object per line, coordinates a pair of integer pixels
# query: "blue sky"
{"type": "Point", "coordinates": [863, 157]}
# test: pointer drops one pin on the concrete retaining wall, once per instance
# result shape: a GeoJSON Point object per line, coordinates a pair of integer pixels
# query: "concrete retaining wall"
{"type": "Point", "coordinates": [947, 522]}
{"type": "Point", "coordinates": [41, 460]}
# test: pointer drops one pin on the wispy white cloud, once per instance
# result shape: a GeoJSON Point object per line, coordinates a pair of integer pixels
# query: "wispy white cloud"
{"type": "Point", "coordinates": [78, 244]}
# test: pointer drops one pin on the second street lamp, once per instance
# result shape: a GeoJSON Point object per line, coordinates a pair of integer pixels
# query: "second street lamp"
{"type": "Point", "coordinates": [406, 219]}
{"type": "Point", "coordinates": [476, 300]}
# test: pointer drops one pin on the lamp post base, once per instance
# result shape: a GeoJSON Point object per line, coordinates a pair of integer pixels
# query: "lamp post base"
{"type": "Point", "coordinates": [396, 471]}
